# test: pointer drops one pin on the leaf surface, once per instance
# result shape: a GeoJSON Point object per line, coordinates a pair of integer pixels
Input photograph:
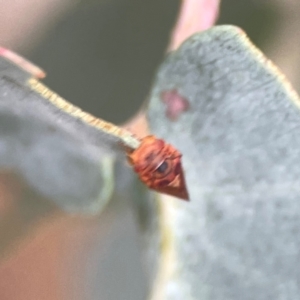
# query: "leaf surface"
{"type": "Point", "coordinates": [59, 155]}
{"type": "Point", "coordinates": [238, 237]}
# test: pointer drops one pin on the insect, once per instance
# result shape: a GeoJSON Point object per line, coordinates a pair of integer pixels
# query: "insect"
{"type": "Point", "coordinates": [158, 165]}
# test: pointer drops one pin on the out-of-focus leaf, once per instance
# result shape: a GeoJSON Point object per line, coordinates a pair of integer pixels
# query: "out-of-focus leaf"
{"type": "Point", "coordinates": [238, 236]}
{"type": "Point", "coordinates": [52, 162]}
{"type": "Point", "coordinates": [60, 156]}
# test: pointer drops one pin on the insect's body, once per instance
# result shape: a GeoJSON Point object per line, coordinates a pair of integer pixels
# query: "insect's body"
{"type": "Point", "coordinates": [159, 166]}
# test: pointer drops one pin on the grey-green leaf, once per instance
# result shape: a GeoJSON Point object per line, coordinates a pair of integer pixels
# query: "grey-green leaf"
{"type": "Point", "coordinates": [238, 236]}
{"type": "Point", "coordinates": [57, 155]}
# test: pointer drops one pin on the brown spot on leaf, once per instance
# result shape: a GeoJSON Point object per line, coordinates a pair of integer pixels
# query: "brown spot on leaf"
{"type": "Point", "coordinates": [176, 104]}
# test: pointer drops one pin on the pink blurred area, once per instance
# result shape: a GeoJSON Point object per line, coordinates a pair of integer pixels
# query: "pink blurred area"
{"type": "Point", "coordinates": [22, 62]}
{"type": "Point", "coordinates": [48, 262]}
{"type": "Point", "coordinates": [195, 16]}
{"type": "Point", "coordinates": [24, 22]}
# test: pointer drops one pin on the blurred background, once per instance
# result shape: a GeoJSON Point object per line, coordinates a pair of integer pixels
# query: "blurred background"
{"type": "Point", "coordinates": [102, 55]}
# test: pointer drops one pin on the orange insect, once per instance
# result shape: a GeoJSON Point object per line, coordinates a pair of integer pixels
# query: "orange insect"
{"type": "Point", "coordinates": [159, 166]}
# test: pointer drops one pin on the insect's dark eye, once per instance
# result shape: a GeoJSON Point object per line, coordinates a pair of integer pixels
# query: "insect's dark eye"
{"type": "Point", "coordinates": [162, 168]}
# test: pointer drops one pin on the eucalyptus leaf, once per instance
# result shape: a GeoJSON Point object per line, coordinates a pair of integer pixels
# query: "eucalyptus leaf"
{"type": "Point", "coordinates": [57, 154]}
{"type": "Point", "coordinates": [238, 237]}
